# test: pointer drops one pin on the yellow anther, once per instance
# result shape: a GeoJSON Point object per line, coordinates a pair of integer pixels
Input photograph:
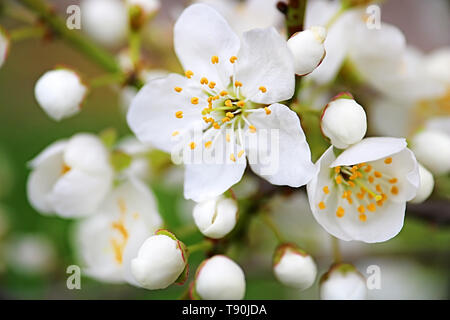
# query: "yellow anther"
{"type": "Point", "coordinates": [179, 114]}
{"type": "Point", "coordinates": [337, 169]}
{"type": "Point", "coordinates": [252, 129]}
{"type": "Point", "coordinates": [233, 59]}
{"type": "Point", "coordinates": [350, 200]}
{"type": "Point", "coordinates": [371, 207]}
{"type": "Point", "coordinates": [368, 168]}
{"type": "Point", "coordinates": [65, 168]}
{"type": "Point", "coordinates": [361, 209]}
{"type": "Point", "coordinates": [229, 115]}
{"type": "Point", "coordinates": [212, 85]}
{"type": "Point", "coordinates": [223, 93]}
{"type": "Point", "coordinates": [393, 180]}
{"type": "Point", "coordinates": [226, 119]}
{"type": "Point", "coordinates": [378, 174]}
{"type": "Point", "coordinates": [240, 153]}
{"type": "Point", "coordinates": [338, 179]}
{"type": "Point", "coordinates": [240, 103]}
{"type": "Point", "coordinates": [321, 205]}
{"type": "Point", "coordinates": [216, 98]}
{"type": "Point", "coordinates": [326, 190]}
{"type": "Point", "coordinates": [214, 59]}
{"type": "Point", "coordinates": [351, 184]}
{"type": "Point", "coordinates": [340, 212]}
{"type": "Point", "coordinates": [227, 137]}
{"type": "Point", "coordinates": [175, 133]}
{"type": "Point", "coordinates": [263, 89]}
{"type": "Point", "coordinates": [362, 217]}
{"type": "Point", "coordinates": [178, 89]}
{"type": "Point", "coordinates": [192, 145]}
{"type": "Point", "coordinates": [204, 80]}
{"type": "Point", "coordinates": [208, 144]}
{"type": "Point", "coordinates": [388, 160]}
{"type": "Point", "coordinates": [228, 103]}
{"type": "Point", "coordinates": [354, 168]}
{"type": "Point", "coordinates": [216, 125]}
{"type": "Point", "coordinates": [267, 110]}
{"type": "Point", "coordinates": [360, 195]}
{"type": "Point", "coordinates": [189, 74]}
{"type": "Point", "coordinates": [232, 157]}
{"type": "Point", "coordinates": [194, 100]}
{"type": "Point", "coordinates": [238, 84]}
{"type": "Point", "coordinates": [378, 188]}
{"type": "Point", "coordinates": [371, 179]}
{"type": "Point", "coordinates": [394, 190]}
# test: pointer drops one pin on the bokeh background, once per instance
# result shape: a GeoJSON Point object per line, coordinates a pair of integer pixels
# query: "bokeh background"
{"type": "Point", "coordinates": [35, 250]}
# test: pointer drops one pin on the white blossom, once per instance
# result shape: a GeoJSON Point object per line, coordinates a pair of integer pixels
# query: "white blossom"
{"type": "Point", "coordinates": [60, 93]}
{"type": "Point", "coordinates": [216, 217]}
{"type": "Point", "coordinates": [343, 282]}
{"type": "Point", "coordinates": [432, 149]}
{"type": "Point", "coordinates": [108, 241]}
{"type": "Point", "coordinates": [344, 121]}
{"type": "Point", "coordinates": [426, 185]}
{"type": "Point", "coordinates": [160, 261]}
{"type": "Point", "coordinates": [308, 49]}
{"type": "Point", "coordinates": [70, 177]}
{"type": "Point", "coordinates": [361, 194]}
{"type": "Point", "coordinates": [219, 278]}
{"type": "Point", "coordinates": [227, 99]}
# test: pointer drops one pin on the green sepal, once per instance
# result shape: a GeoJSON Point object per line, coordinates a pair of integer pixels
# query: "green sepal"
{"type": "Point", "coordinates": [120, 160]}
{"type": "Point", "coordinates": [108, 137]}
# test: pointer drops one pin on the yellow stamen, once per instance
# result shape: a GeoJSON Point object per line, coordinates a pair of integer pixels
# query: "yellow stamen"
{"type": "Point", "coordinates": [192, 145]}
{"type": "Point", "coordinates": [214, 59]}
{"type": "Point", "coordinates": [252, 129]}
{"type": "Point", "coordinates": [337, 169]}
{"type": "Point", "coordinates": [378, 174]}
{"type": "Point", "coordinates": [208, 144]}
{"type": "Point", "coordinates": [371, 207]}
{"type": "Point", "coordinates": [338, 179]}
{"type": "Point", "coordinates": [179, 114]}
{"type": "Point", "coordinates": [268, 111]}
{"type": "Point", "coordinates": [178, 89]}
{"type": "Point", "coordinates": [326, 190]}
{"type": "Point", "coordinates": [238, 84]}
{"type": "Point", "coordinates": [388, 160]}
{"type": "Point", "coordinates": [361, 209]}
{"type": "Point", "coordinates": [393, 180]}
{"type": "Point", "coordinates": [226, 119]}
{"type": "Point", "coordinates": [194, 100]}
{"type": "Point", "coordinates": [229, 115]}
{"type": "Point", "coordinates": [340, 212]}
{"type": "Point", "coordinates": [362, 217]}
{"type": "Point", "coordinates": [189, 74]}
{"type": "Point", "coordinates": [212, 85]}
{"type": "Point", "coordinates": [321, 205]}
{"type": "Point", "coordinates": [175, 133]}
{"type": "Point", "coordinates": [240, 103]}
{"type": "Point", "coordinates": [394, 190]}
{"type": "Point", "coordinates": [216, 125]}
{"type": "Point", "coordinates": [228, 103]}
{"type": "Point", "coordinates": [233, 59]}
{"type": "Point", "coordinates": [203, 80]}
{"type": "Point", "coordinates": [240, 153]}
{"type": "Point", "coordinates": [232, 157]}
{"type": "Point", "coordinates": [223, 93]}
{"type": "Point", "coordinates": [227, 137]}
{"type": "Point", "coordinates": [263, 89]}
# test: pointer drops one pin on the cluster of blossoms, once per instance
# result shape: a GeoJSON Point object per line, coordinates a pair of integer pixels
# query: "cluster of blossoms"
{"type": "Point", "coordinates": [234, 105]}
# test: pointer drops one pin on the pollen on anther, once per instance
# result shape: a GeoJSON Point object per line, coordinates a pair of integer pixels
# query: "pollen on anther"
{"type": "Point", "coordinates": [179, 114]}
{"type": "Point", "coordinates": [394, 190]}
{"type": "Point", "coordinates": [252, 129]}
{"type": "Point", "coordinates": [337, 169]}
{"type": "Point", "coordinates": [212, 85]}
{"type": "Point", "coordinates": [192, 145]}
{"type": "Point", "coordinates": [175, 133]}
{"type": "Point", "coordinates": [362, 217]}
{"type": "Point", "coordinates": [227, 137]}
{"type": "Point", "coordinates": [378, 174]}
{"type": "Point", "coordinates": [338, 179]}
{"type": "Point", "coordinates": [321, 205]}
{"type": "Point", "coordinates": [326, 190]}
{"type": "Point", "coordinates": [208, 144]}
{"type": "Point", "coordinates": [340, 212]}
{"type": "Point", "coordinates": [268, 111]}
{"type": "Point", "coordinates": [232, 157]}
{"type": "Point", "coordinates": [214, 59]}
{"type": "Point", "coordinates": [194, 100]}
{"type": "Point", "coordinates": [240, 103]}
{"type": "Point", "coordinates": [371, 179]}
{"type": "Point", "coordinates": [361, 209]}
{"type": "Point", "coordinates": [223, 93]}
{"type": "Point", "coordinates": [228, 103]}
{"type": "Point", "coordinates": [263, 89]}
{"type": "Point", "coordinates": [371, 207]}
{"type": "Point", "coordinates": [178, 89]}
{"type": "Point", "coordinates": [188, 74]}
{"type": "Point", "coordinates": [204, 80]}
{"type": "Point", "coordinates": [233, 59]}
{"type": "Point", "coordinates": [238, 84]}
{"type": "Point", "coordinates": [240, 153]}
{"type": "Point", "coordinates": [388, 160]}
{"type": "Point", "coordinates": [229, 115]}
{"type": "Point", "coordinates": [393, 180]}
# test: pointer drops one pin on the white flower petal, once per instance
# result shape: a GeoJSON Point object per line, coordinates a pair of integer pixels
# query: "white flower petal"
{"type": "Point", "coordinates": [152, 113]}
{"type": "Point", "coordinates": [201, 33]}
{"type": "Point", "coordinates": [265, 60]}
{"type": "Point", "coordinates": [284, 157]}
{"type": "Point", "coordinates": [369, 149]}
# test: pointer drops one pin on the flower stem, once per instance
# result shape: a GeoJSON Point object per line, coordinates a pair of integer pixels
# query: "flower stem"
{"type": "Point", "coordinates": [73, 37]}
{"type": "Point", "coordinates": [272, 226]}
{"type": "Point", "coordinates": [336, 250]}
{"type": "Point", "coordinates": [135, 47]}
{"type": "Point", "coordinates": [26, 33]}
{"type": "Point", "coordinates": [335, 17]}
{"type": "Point", "coordinates": [205, 245]}
{"type": "Point", "coordinates": [107, 79]}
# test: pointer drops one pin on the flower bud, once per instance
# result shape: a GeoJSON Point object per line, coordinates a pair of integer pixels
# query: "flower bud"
{"type": "Point", "coordinates": [4, 46]}
{"type": "Point", "coordinates": [60, 93]}
{"type": "Point", "coordinates": [219, 278]}
{"type": "Point", "coordinates": [161, 260]}
{"type": "Point", "coordinates": [308, 49]}
{"type": "Point", "coordinates": [344, 121]}
{"type": "Point", "coordinates": [216, 217]}
{"type": "Point", "coordinates": [432, 149]}
{"type": "Point", "coordinates": [343, 282]}
{"type": "Point", "coordinates": [426, 185]}
{"type": "Point", "coordinates": [293, 267]}
{"type": "Point", "coordinates": [106, 21]}
{"type": "Point", "coordinates": [147, 6]}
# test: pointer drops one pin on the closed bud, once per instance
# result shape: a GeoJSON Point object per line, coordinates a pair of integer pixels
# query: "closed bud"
{"type": "Point", "coordinates": [293, 267]}
{"type": "Point", "coordinates": [60, 93]}
{"type": "Point", "coordinates": [432, 149]}
{"type": "Point", "coordinates": [219, 278]}
{"type": "Point", "coordinates": [160, 262]}
{"type": "Point", "coordinates": [344, 121]}
{"type": "Point", "coordinates": [216, 217]}
{"type": "Point", "coordinates": [426, 185]}
{"type": "Point", "coordinates": [308, 49]}
{"type": "Point", "coordinates": [4, 46]}
{"type": "Point", "coordinates": [343, 282]}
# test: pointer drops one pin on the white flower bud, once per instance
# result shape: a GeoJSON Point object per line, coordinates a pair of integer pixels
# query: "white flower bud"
{"type": "Point", "coordinates": [294, 268]}
{"type": "Point", "coordinates": [4, 46]}
{"type": "Point", "coordinates": [219, 278]}
{"type": "Point", "coordinates": [148, 6]}
{"type": "Point", "coordinates": [426, 185]}
{"type": "Point", "coordinates": [308, 49]}
{"type": "Point", "coordinates": [216, 217]}
{"type": "Point", "coordinates": [432, 149]}
{"type": "Point", "coordinates": [343, 282]}
{"type": "Point", "coordinates": [159, 263]}
{"type": "Point", "coordinates": [438, 65]}
{"type": "Point", "coordinates": [60, 93]}
{"type": "Point", "coordinates": [344, 121]}
{"type": "Point", "coordinates": [106, 21]}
